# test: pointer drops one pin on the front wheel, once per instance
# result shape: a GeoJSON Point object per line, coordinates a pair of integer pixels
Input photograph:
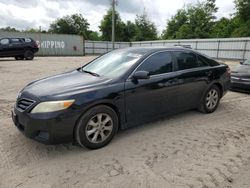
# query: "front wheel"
{"type": "Point", "coordinates": [211, 100]}
{"type": "Point", "coordinates": [96, 127]}
{"type": "Point", "coordinates": [19, 57]}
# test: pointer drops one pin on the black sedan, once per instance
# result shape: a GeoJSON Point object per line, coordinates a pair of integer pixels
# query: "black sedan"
{"type": "Point", "coordinates": [118, 90]}
{"type": "Point", "coordinates": [240, 78]}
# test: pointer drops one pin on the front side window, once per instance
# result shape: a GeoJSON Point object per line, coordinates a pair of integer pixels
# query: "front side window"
{"type": "Point", "coordinates": [186, 60]}
{"type": "Point", "coordinates": [158, 63]}
{"type": "Point", "coordinates": [4, 41]}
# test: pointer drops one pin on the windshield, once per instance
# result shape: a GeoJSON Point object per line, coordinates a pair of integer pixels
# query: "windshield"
{"type": "Point", "coordinates": [247, 62]}
{"type": "Point", "coordinates": [112, 64]}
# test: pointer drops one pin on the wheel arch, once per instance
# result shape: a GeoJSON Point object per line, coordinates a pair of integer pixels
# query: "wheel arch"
{"type": "Point", "coordinates": [219, 85]}
{"type": "Point", "coordinates": [101, 103]}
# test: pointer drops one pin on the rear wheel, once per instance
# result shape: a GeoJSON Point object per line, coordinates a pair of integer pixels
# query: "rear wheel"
{"type": "Point", "coordinates": [211, 100]}
{"type": "Point", "coordinates": [29, 55]}
{"type": "Point", "coordinates": [96, 127]}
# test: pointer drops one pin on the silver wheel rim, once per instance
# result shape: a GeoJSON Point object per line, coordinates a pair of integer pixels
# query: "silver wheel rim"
{"type": "Point", "coordinates": [99, 128]}
{"type": "Point", "coordinates": [212, 99]}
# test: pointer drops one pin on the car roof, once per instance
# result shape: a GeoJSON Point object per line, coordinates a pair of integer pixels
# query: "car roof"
{"type": "Point", "coordinates": [15, 38]}
{"type": "Point", "coordinates": [152, 49]}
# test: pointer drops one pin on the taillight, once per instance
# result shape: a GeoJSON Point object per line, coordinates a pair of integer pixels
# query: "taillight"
{"type": "Point", "coordinates": [228, 71]}
{"type": "Point", "coordinates": [36, 44]}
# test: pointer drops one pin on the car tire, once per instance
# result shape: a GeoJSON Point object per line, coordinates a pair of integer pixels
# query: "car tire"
{"type": "Point", "coordinates": [97, 127]}
{"type": "Point", "coordinates": [29, 55]}
{"type": "Point", "coordinates": [19, 58]}
{"type": "Point", "coordinates": [210, 100]}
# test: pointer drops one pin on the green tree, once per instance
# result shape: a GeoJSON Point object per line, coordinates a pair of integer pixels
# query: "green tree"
{"type": "Point", "coordinates": [174, 24]}
{"type": "Point", "coordinates": [106, 27]}
{"type": "Point", "coordinates": [243, 18]}
{"type": "Point", "coordinates": [129, 31]}
{"type": "Point", "coordinates": [243, 9]}
{"type": "Point", "coordinates": [33, 30]}
{"type": "Point", "coordinates": [10, 29]}
{"type": "Point", "coordinates": [74, 24]}
{"type": "Point", "coordinates": [224, 27]}
{"type": "Point", "coordinates": [194, 21]}
{"type": "Point", "coordinates": [145, 29]}
{"type": "Point", "coordinates": [93, 35]}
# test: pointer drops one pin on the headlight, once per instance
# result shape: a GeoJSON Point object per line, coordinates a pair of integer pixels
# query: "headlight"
{"type": "Point", "coordinates": [52, 106]}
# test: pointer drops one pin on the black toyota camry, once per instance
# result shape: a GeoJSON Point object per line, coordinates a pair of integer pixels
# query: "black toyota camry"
{"type": "Point", "coordinates": [120, 89]}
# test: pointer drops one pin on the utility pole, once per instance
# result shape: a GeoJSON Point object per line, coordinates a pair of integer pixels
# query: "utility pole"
{"type": "Point", "coordinates": [113, 23]}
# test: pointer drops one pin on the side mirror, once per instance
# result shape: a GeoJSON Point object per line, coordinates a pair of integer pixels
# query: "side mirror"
{"type": "Point", "coordinates": [241, 62]}
{"type": "Point", "coordinates": [141, 75]}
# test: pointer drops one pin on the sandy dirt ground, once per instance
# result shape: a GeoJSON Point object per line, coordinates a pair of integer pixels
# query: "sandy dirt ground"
{"type": "Point", "coordinates": [186, 150]}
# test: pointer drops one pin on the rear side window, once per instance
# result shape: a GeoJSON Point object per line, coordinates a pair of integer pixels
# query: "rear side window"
{"type": "Point", "coordinates": [202, 61]}
{"type": "Point", "coordinates": [4, 41]}
{"type": "Point", "coordinates": [27, 40]}
{"type": "Point", "coordinates": [158, 63]}
{"type": "Point", "coordinates": [188, 60]}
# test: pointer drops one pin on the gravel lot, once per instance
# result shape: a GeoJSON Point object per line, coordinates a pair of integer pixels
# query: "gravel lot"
{"type": "Point", "coordinates": [186, 150]}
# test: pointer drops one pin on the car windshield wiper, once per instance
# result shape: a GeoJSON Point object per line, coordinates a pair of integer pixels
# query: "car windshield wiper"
{"type": "Point", "coordinates": [92, 73]}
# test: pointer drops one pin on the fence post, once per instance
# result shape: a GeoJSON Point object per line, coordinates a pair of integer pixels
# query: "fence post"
{"type": "Point", "coordinates": [107, 43]}
{"type": "Point", "coordinates": [245, 50]}
{"type": "Point", "coordinates": [196, 45]}
{"type": "Point", "coordinates": [93, 45]}
{"type": "Point", "coordinates": [218, 49]}
{"type": "Point", "coordinates": [83, 43]}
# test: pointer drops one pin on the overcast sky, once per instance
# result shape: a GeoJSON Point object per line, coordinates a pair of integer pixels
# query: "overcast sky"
{"type": "Point", "coordinates": [24, 14]}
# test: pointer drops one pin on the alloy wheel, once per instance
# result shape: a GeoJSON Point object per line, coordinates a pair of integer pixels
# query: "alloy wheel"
{"type": "Point", "coordinates": [99, 128]}
{"type": "Point", "coordinates": [212, 99]}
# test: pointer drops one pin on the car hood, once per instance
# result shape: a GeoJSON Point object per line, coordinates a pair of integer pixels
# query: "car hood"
{"type": "Point", "coordinates": [61, 84]}
{"type": "Point", "coordinates": [241, 69]}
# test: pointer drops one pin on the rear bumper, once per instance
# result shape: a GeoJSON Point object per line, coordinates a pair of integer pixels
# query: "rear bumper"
{"type": "Point", "coordinates": [35, 50]}
{"type": "Point", "coordinates": [51, 128]}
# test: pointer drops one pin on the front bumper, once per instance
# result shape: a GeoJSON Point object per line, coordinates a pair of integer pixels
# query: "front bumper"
{"type": "Point", "coordinates": [240, 86]}
{"type": "Point", "coordinates": [49, 128]}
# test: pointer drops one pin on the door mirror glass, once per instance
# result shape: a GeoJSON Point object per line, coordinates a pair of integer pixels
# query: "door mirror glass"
{"type": "Point", "coordinates": [141, 75]}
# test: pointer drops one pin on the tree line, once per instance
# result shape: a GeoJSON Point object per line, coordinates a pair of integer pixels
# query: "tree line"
{"type": "Point", "coordinates": [192, 21]}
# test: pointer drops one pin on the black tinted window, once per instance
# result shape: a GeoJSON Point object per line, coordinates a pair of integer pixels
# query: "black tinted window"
{"type": "Point", "coordinates": [186, 60]}
{"type": "Point", "coordinates": [16, 41]}
{"type": "Point", "coordinates": [158, 63]}
{"type": "Point", "coordinates": [202, 61]}
{"type": "Point", "coordinates": [27, 40]}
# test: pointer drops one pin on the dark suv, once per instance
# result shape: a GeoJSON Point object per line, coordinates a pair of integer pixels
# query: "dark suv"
{"type": "Point", "coordinates": [20, 48]}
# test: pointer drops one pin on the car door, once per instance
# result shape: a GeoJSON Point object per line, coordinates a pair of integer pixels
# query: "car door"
{"type": "Point", "coordinates": [16, 46]}
{"type": "Point", "coordinates": [4, 45]}
{"type": "Point", "coordinates": [150, 98]}
{"type": "Point", "coordinates": [194, 77]}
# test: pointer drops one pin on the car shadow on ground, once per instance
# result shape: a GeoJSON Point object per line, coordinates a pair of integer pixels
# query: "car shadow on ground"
{"type": "Point", "coordinates": [63, 149]}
